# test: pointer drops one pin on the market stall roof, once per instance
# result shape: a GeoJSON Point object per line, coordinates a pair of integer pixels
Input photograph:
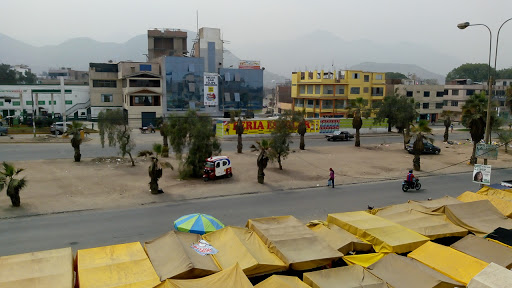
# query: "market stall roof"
{"type": "Point", "coordinates": [397, 208]}
{"type": "Point", "coordinates": [430, 224]}
{"type": "Point", "coordinates": [281, 281]}
{"type": "Point", "coordinates": [293, 242]}
{"type": "Point", "coordinates": [433, 204]}
{"type": "Point", "coordinates": [353, 276]}
{"type": "Point", "coordinates": [120, 266]}
{"type": "Point", "coordinates": [50, 268]}
{"type": "Point", "coordinates": [479, 217]}
{"type": "Point", "coordinates": [503, 205]}
{"type": "Point", "coordinates": [384, 235]}
{"type": "Point", "coordinates": [243, 246]}
{"type": "Point", "coordinates": [173, 257]}
{"type": "Point", "coordinates": [485, 250]}
{"type": "Point", "coordinates": [230, 277]}
{"type": "Point", "coordinates": [403, 272]}
{"type": "Point", "coordinates": [499, 193]}
{"type": "Point", "coordinates": [340, 239]}
{"type": "Point", "coordinates": [452, 263]}
{"type": "Point", "coordinates": [493, 276]}
{"type": "Point", "coordinates": [502, 236]}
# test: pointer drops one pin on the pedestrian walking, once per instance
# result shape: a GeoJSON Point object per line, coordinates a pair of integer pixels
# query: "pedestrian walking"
{"type": "Point", "coordinates": [451, 127]}
{"type": "Point", "coordinates": [331, 177]}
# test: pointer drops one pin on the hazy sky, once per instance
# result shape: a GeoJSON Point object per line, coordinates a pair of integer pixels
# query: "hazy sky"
{"type": "Point", "coordinates": [244, 22]}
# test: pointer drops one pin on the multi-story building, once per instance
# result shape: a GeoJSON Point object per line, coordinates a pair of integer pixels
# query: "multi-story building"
{"type": "Point", "coordinates": [325, 94]}
{"type": "Point", "coordinates": [210, 47]}
{"type": "Point", "coordinates": [457, 93]}
{"type": "Point", "coordinates": [166, 42]}
{"type": "Point", "coordinates": [135, 87]}
{"type": "Point", "coordinates": [500, 97]}
{"type": "Point", "coordinates": [71, 77]}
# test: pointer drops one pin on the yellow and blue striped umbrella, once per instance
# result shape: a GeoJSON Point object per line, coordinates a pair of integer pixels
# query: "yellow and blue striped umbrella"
{"type": "Point", "coordinates": [197, 223]}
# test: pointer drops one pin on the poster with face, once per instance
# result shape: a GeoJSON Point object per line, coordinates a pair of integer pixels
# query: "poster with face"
{"type": "Point", "coordinates": [482, 174]}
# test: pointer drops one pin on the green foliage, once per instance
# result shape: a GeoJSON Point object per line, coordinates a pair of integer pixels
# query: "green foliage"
{"type": "Point", "coordinates": [280, 138]}
{"type": "Point", "coordinates": [420, 131]}
{"type": "Point", "coordinates": [9, 76]}
{"type": "Point", "coordinates": [157, 148]}
{"type": "Point", "coordinates": [76, 139]}
{"type": "Point", "coordinates": [504, 73]}
{"type": "Point", "coordinates": [508, 93]}
{"type": "Point", "coordinates": [398, 109]}
{"type": "Point", "coordinates": [195, 132]}
{"type": "Point", "coordinates": [144, 153]}
{"type": "Point", "coordinates": [263, 147]}
{"type": "Point", "coordinates": [478, 72]}
{"type": "Point", "coordinates": [473, 117]}
{"type": "Point", "coordinates": [505, 137]}
{"type": "Point", "coordinates": [113, 123]}
{"type": "Point", "coordinates": [13, 185]}
{"type": "Point", "coordinates": [395, 75]}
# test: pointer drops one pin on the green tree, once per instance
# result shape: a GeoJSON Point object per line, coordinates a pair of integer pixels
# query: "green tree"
{"type": "Point", "coordinates": [164, 130]}
{"type": "Point", "coordinates": [358, 107]}
{"type": "Point", "coordinates": [447, 115]}
{"type": "Point", "coordinates": [508, 93]}
{"type": "Point", "coordinates": [387, 110]}
{"type": "Point", "coordinates": [395, 75]}
{"type": "Point", "coordinates": [420, 132]}
{"type": "Point", "coordinates": [478, 72]}
{"type": "Point", "coordinates": [195, 132]}
{"type": "Point", "coordinates": [263, 147]}
{"type": "Point", "coordinates": [239, 129]}
{"type": "Point", "coordinates": [280, 139]}
{"type": "Point", "coordinates": [7, 75]}
{"type": "Point", "coordinates": [504, 73]}
{"type": "Point", "coordinates": [155, 169]}
{"type": "Point", "coordinates": [114, 124]}
{"type": "Point", "coordinates": [14, 186]}
{"type": "Point", "coordinates": [76, 139]}
{"type": "Point", "coordinates": [473, 117]}
{"type": "Point", "coordinates": [505, 137]}
{"type": "Point", "coordinates": [301, 130]}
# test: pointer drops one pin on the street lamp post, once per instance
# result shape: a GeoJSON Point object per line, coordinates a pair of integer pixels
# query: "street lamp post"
{"type": "Point", "coordinates": [464, 25]}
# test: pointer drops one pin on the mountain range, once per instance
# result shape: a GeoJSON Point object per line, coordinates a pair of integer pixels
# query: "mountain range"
{"type": "Point", "coordinates": [314, 51]}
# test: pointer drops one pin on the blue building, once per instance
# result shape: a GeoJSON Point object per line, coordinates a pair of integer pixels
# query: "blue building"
{"type": "Point", "coordinates": [240, 89]}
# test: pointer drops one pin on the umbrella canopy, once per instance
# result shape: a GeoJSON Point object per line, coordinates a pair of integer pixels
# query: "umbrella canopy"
{"type": "Point", "coordinates": [197, 223]}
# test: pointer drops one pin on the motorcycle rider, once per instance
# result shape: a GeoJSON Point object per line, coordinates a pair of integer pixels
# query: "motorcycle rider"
{"type": "Point", "coordinates": [410, 179]}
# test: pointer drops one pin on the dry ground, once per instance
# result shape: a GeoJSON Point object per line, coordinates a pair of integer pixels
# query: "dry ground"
{"type": "Point", "coordinates": [63, 185]}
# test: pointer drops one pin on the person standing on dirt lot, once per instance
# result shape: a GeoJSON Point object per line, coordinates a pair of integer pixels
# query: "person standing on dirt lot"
{"type": "Point", "coordinates": [331, 176]}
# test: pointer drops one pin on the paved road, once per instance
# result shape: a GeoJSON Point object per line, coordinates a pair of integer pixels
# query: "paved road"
{"type": "Point", "coordinates": [91, 149]}
{"type": "Point", "coordinates": [88, 229]}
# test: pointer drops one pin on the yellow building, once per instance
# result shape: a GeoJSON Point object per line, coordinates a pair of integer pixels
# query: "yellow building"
{"type": "Point", "coordinates": [323, 94]}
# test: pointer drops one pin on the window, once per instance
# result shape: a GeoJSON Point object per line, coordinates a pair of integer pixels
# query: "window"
{"type": "Point", "coordinates": [445, 91]}
{"type": "Point", "coordinates": [28, 102]}
{"type": "Point", "coordinates": [504, 83]}
{"type": "Point", "coordinates": [341, 90]}
{"type": "Point", "coordinates": [426, 93]}
{"type": "Point", "coordinates": [377, 91]}
{"type": "Point", "coordinates": [302, 89]}
{"type": "Point", "coordinates": [310, 89]}
{"type": "Point", "coordinates": [455, 92]}
{"type": "Point", "coordinates": [366, 89]}
{"type": "Point", "coordinates": [366, 78]}
{"type": "Point", "coordinates": [145, 67]}
{"type": "Point", "coordinates": [409, 93]}
{"type": "Point", "coordinates": [299, 102]}
{"type": "Point", "coordinates": [440, 93]}
{"type": "Point", "coordinates": [107, 98]}
{"type": "Point", "coordinates": [317, 89]}
{"type": "Point", "coordinates": [311, 104]}
{"type": "Point", "coordinates": [355, 75]}
{"type": "Point", "coordinates": [144, 83]}
{"type": "Point", "coordinates": [339, 104]}
{"type": "Point", "coordinates": [502, 103]}
{"type": "Point", "coordinates": [455, 103]}
{"type": "Point", "coordinates": [326, 104]}
{"type": "Point", "coordinates": [445, 103]}
{"type": "Point", "coordinates": [144, 100]}
{"type": "Point", "coordinates": [328, 89]}
{"type": "Point", "coordinates": [439, 105]}
{"type": "Point", "coordinates": [417, 105]}
{"type": "Point", "coordinates": [68, 102]}
{"type": "Point", "coordinates": [426, 105]}
{"type": "Point", "coordinates": [470, 92]}
{"type": "Point", "coordinates": [104, 83]}
{"type": "Point", "coordinates": [355, 90]}
{"type": "Point", "coordinates": [378, 77]}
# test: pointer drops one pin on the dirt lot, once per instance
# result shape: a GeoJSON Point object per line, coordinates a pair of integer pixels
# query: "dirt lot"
{"type": "Point", "coordinates": [63, 185]}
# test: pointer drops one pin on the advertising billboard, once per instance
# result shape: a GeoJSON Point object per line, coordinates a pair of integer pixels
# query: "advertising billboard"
{"type": "Point", "coordinates": [211, 89]}
{"type": "Point", "coordinates": [482, 174]}
{"type": "Point", "coordinates": [249, 64]}
{"type": "Point", "coordinates": [486, 151]}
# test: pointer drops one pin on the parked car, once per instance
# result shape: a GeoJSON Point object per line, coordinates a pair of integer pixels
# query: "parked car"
{"type": "Point", "coordinates": [428, 148]}
{"type": "Point", "coordinates": [3, 129]}
{"type": "Point", "coordinates": [58, 127]}
{"type": "Point", "coordinates": [339, 135]}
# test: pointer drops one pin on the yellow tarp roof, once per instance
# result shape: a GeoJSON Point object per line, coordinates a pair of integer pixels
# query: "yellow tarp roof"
{"type": "Point", "coordinates": [485, 250]}
{"type": "Point", "coordinates": [392, 209]}
{"type": "Point", "coordinates": [499, 193]}
{"type": "Point", "coordinates": [436, 203]}
{"type": "Point", "coordinates": [243, 246]}
{"type": "Point", "coordinates": [230, 277]}
{"type": "Point", "coordinates": [340, 239]}
{"type": "Point", "coordinates": [391, 267]}
{"type": "Point", "coordinates": [430, 224]}
{"type": "Point", "coordinates": [280, 281]}
{"type": "Point", "coordinates": [384, 235]}
{"type": "Point", "coordinates": [503, 205]}
{"type": "Point", "coordinates": [493, 276]}
{"type": "Point", "coordinates": [42, 269]}
{"type": "Point", "coordinates": [452, 263]}
{"type": "Point", "coordinates": [173, 257]}
{"type": "Point", "coordinates": [363, 260]}
{"type": "Point", "coordinates": [293, 242]}
{"type": "Point", "coordinates": [123, 265]}
{"type": "Point", "coordinates": [479, 217]}
{"type": "Point", "coordinates": [353, 276]}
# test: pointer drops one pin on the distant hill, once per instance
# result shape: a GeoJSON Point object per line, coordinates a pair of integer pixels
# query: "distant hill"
{"type": "Point", "coordinates": [405, 69]}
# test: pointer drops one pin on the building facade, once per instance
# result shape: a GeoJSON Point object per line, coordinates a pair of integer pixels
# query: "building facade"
{"type": "Point", "coordinates": [166, 42]}
{"type": "Point", "coordinates": [327, 94]}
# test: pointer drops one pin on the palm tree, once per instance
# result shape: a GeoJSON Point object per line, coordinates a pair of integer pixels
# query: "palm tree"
{"type": "Point", "coordinates": [76, 139]}
{"type": "Point", "coordinates": [505, 137]}
{"type": "Point", "coordinates": [13, 185]}
{"type": "Point", "coordinates": [263, 147]}
{"type": "Point", "coordinates": [356, 106]}
{"type": "Point", "coordinates": [239, 128]}
{"type": "Point", "coordinates": [164, 132]}
{"type": "Point", "coordinates": [419, 131]}
{"type": "Point", "coordinates": [447, 122]}
{"type": "Point", "coordinates": [473, 117]}
{"type": "Point", "coordinates": [155, 170]}
{"type": "Point", "coordinates": [301, 129]}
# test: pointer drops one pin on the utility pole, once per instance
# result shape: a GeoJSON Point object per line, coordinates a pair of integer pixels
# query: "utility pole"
{"type": "Point", "coordinates": [63, 95]}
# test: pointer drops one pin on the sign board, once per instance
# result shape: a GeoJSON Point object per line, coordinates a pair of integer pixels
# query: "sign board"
{"type": "Point", "coordinates": [211, 89]}
{"type": "Point", "coordinates": [482, 174]}
{"type": "Point", "coordinates": [486, 151]}
{"type": "Point", "coordinates": [249, 64]}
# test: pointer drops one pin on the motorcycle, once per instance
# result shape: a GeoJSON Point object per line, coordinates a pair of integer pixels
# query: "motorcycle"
{"type": "Point", "coordinates": [414, 185]}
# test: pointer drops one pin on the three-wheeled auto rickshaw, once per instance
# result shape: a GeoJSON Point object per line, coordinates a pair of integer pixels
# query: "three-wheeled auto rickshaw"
{"type": "Point", "coordinates": [218, 166]}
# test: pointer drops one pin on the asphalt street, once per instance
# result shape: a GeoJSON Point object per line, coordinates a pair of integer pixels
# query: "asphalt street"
{"type": "Point", "coordinates": [96, 228]}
